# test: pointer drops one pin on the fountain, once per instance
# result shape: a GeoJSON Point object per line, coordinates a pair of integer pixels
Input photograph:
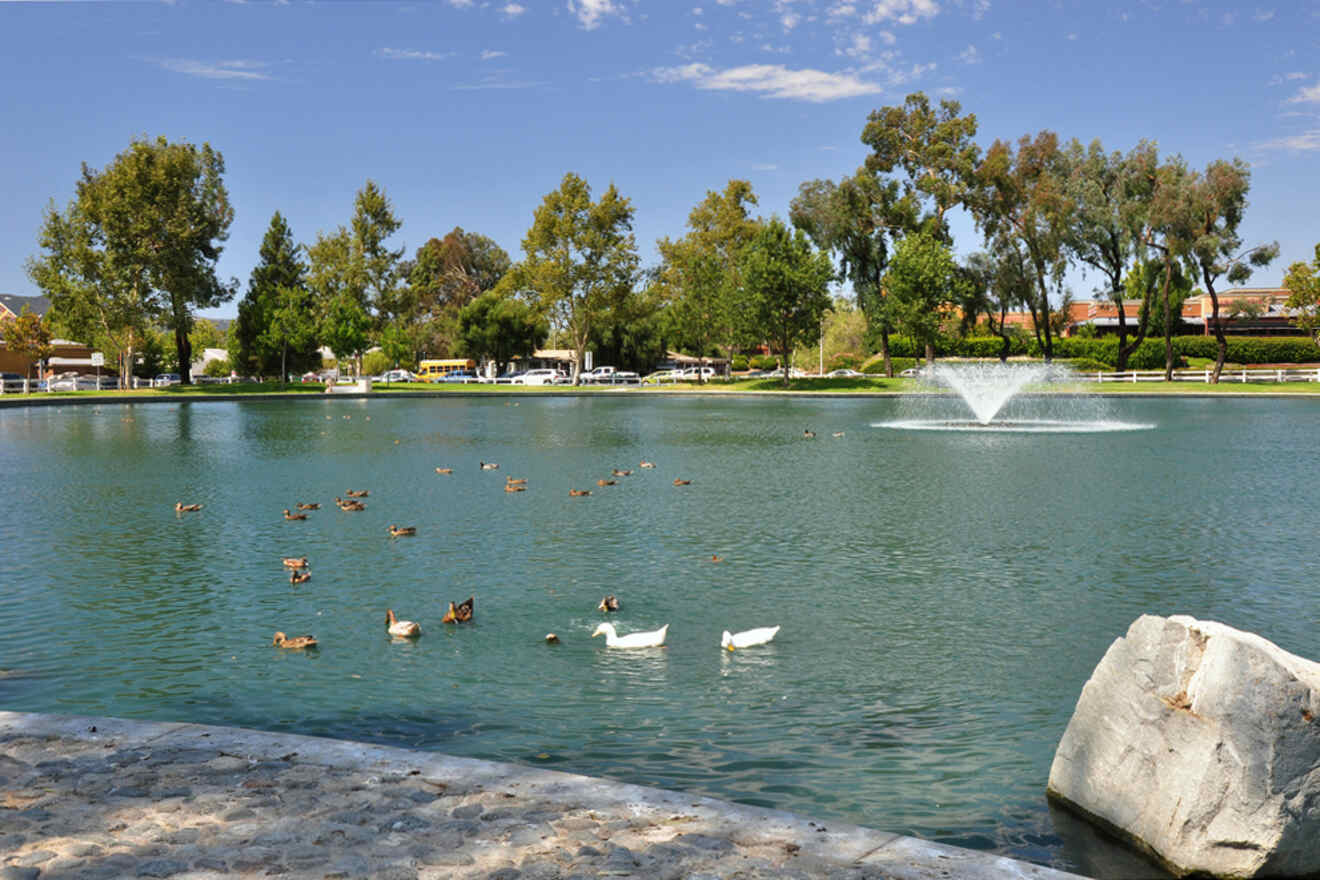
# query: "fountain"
{"type": "Point", "coordinates": [991, 389]}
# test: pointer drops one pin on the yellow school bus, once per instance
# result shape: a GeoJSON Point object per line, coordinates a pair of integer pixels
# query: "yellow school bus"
{"type": "Point", "coordinates": [439, 370]}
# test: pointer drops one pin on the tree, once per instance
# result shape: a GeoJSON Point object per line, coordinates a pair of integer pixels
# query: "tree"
{"type": "Point", "coordinates": [445, 275]}
{"type": "Point", "coordinates": [498, 326]}
{"type": "Point", "coordinates": [858, 220]}
{"type": "Point", "coordinates": [580, 257]}
{"type": "Point", "coordinates": [373, 222]}
{"type": "Point", "coordinates": [1111, 194]}
{"type": "Point", "coordinates": [1170, 231]}
{"type": "Point", "coordinates": [1303, 284]}
{"type": "Point", "coordinates": [1216, 244]}
{"type": "Point", "coordinates": [1024, 199]}
{"type": "Point", "coordinates": [924, 282]}
{"type": "Point", "coordinates": [345, 328]}
{"type": "Point", "coordinates": [259, 348]}
{"type": "Point", "coordinates": [934, 148]}
{"type": "Point", "coordinates": [700, 271]}
{"type": "Point", "coordinates": [139, 240]}
{"type": "Point", "coordinates": [787, 286]}
{"type": "Point", "coordinates": [27, 336]}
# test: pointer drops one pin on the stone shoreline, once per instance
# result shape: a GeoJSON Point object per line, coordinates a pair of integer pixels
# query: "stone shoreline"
{"type": "Point", "coordinates": [106, 797]}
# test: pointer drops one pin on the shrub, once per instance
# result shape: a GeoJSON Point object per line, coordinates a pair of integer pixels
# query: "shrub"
{"type": "Point", "coordinates": [739, 362]}
{"type": "Point", "coordinates": [875, 364]}
{"type": "Point", "coordinates": [375, 362]}
{"type": "Point", "coordinates": [763, 362]}
{"type": "Point", "coordinates": [844, 360]}
{"type": "Point", "coordinates": [216, 368]}
{"type": "Point", "coordinates": [1087, 365]}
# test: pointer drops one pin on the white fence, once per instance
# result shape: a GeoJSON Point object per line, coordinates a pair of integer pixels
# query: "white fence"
{"type": "Point", "coordinates": [1276, 375]}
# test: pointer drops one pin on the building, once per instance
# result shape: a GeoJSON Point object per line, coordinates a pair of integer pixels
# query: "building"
{"type": "Point", "coordinates": [1243, 311]}
{"type": "Point", "coordinates": [66, 355]}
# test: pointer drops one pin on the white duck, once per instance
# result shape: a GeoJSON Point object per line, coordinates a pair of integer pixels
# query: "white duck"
{"type": "Point", "coordinates": [400, 629]}
{"type": "Point", "coordinates": [632, 640]}
{"type": "Point", "coordinates": [750, 637]}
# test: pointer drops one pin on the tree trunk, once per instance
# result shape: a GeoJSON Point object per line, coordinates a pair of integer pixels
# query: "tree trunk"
{"type": "Point", "coordinates": [1048, 345]}
{"type": "Point", "coordinates": [1005, 345]}
{"type": "Point", "coordinates": [183, 346]}
{"type": "Point", "coordinates": [1125, 351]}
{"type": "Point", "coordinates": [930, 353]}
{"type": "Point", "coordinates": [884, 352]}
{"type": "Point", "coordinates": [1168, 320]}
{"type": "Point", "coordinates": [1219, 328]}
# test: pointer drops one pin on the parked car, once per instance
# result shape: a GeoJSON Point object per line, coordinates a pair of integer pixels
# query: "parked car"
{"type": "Point", "coordinates": [459, 376]}
{"type": "Point", "coordinates": [911, 373]}
{"type": "Point", "coordinates": [691, 373]}
{"type": "Point", "coordinates": [543, 376]}
{"type": "Point", "coordinates": [662, 376]}
{"type": "Point", "coordinates": [600, 374]}
{"type": "Point", "coordinates": [844, 374]}
{"type": "Point", "coordinates": [395, 376]}
{"type": "Point", "coordinates": [166, 379]}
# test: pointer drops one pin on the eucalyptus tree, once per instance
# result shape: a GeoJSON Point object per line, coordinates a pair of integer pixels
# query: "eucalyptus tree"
{"type": "Point", "coordinates": [1111, 194]}
{"type": "Point", "coordinates": [933, 148]}
{"type": "Point", "coordinates": [139, 242]}
{"type": "Point", "coordinates": [1170, 230]}
{"type": "Point", "coordinates": [444, 276]}
{"type": "Point", "coordinates": [580, 256]}
{"type": "Point", "coordinates": [1220, 200]}
{"type": "Point", "coordinates": [1303, 284]}
{"type": "Point", "coordinates": [700, 272]}
{"type": "Point", "coordinates": [858, 220]}
{"type": "Point", "coordinates": [1024, 199]}
{"type": "Point", "coordinates": [786, 282]}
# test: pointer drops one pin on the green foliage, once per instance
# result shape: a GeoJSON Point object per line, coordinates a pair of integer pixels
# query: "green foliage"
{"type": "Point", "coordinates": [923, 281]}
{"type": "Point", "coordinates": [376, 362]}
{"type": "Point", "coordinates": [28, 336]}
{"type": "Point", "coordinates": [844, 360]}
{"type": "Point", "coordinates": [763, 362]}
{"type": "Point", "coordinates": [276, 328]}
{"type": "Point", "coordinates": [738, 363]}
{"type": "Point", "coordinates": [1086, 365]}
{"type": "Point", "coordinates": [786, 282]}
{"type": "Point", "coordinates": [445, 276]}
{"type": "Point", "coordinates": [217, 368]}
{"type": "Point", "coordinates": [1303, 283]}
{"type": "Point", "coordinates": [500, 327]}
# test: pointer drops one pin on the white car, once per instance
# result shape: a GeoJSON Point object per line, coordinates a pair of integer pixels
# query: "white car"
{"type": "Point", "coordinates": [539, 377]}
{"type": "Point", "coordinates": [844, 374]}
{"type": "Point", "coordinates": [166, 379]}
{"type": "Point", "coordinates": [690, 374]}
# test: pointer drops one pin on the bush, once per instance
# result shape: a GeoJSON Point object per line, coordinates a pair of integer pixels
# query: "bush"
{"type": "Point", "coordinates": [763, 362]}
{"type": "Point", "coordinates": [875, 364]}
{"type": "Point", "coordinates": [216, 368]}
{"type": "Point", "coordinates": [1087, 365]}
{"type": "Point", "coordinates": [739, 363]}
{"type": "Point", "coordinates": [844, 360]}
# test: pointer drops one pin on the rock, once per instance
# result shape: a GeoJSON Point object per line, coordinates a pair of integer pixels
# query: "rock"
{"type": "Point", "coordinates": [1200, 744]}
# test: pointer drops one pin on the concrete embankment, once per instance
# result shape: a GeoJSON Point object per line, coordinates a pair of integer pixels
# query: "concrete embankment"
{"type": "Point", "coordinates": [107, 797]}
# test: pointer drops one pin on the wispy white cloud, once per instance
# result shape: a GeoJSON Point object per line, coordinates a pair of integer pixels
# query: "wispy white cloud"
{"type": "Point", "coordinates": [590, 12]}
{"type": "Point", "coordinates": [414, 55]}
{"type": "Point", "coordinates": [1308, 95]}
{"type": "Point", "coordinates": [1280, 78]}
{"type": "Point", "coordinates": [770, 81]}
{"type": "Point", "coordinates": [461, 4]}
{"type": "Point", "coordinates": [859, 46]}
{"type": "Point", "coordinates": [512, 10]}
{"type": "Point", "coordinates": [1263, 15]}
{"type": "Point", "coordinates": [979, 9]}
{"type": "Point", "coordinates": [497, 81]}
{"type": "Point", "coordinates": [764, 166]}
{"type": "Point", "coordinates": [970, 55]}
{"type": "Point", "coordinates": [250, 70]}
{"type": "Point", "coordinates": [1306, 142]}
{"type": "Point", "coordinates": [487, 54]}
{"type": "Point", "coordinates": [901, 11]}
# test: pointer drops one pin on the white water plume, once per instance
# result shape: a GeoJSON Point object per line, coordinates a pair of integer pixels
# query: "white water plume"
{"type": "Point", "coordinates": [986, 387]}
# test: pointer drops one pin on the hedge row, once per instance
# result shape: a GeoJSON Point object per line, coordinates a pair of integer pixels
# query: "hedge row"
{"type": "Point", "coordinates": [1148, 356]}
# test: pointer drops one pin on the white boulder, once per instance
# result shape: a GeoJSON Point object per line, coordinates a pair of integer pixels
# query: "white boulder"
{"type": "Point", "coordinates": [1200, 744]}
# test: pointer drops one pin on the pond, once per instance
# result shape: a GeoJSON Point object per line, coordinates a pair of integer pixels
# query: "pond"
{"type": "Point", "coordinates": [943, 596]}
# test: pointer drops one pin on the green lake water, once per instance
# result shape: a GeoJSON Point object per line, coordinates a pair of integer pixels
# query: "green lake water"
{"type": "Point", "coordinates": [943, 595]}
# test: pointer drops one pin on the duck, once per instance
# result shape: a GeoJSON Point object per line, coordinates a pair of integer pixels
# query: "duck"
{"type": "Point", "coordinates": [808, 434]}
{"type": "Point", "coordinates": [295, 561]}
{"type": "Point", "coordinates": [619, 473]}
{"type": "Point", "coordinates": [299, 576]}
{"type": "Point", "coordinates": [297, 643]}
{"type": "Point", "coordinates": [402, 531]}
{"type": "Point", "coordinates": [551, 639]}
{"type": "Point", "coordinates": [609, 603]}
{"type": "Point", "coordinates": [489, 466]}
{"type": "Point", "coordinates": [312, 506]}
{"type": "Point", "coordinates": [714, 558]}
{"type": "Point", "coordinates": [837, 434]}
{"type": "Point", "coordinates": [460, 613]}
{"type": "Point", "coordinates": [678, 482]}
{"type": "Point", "coordinates": [606, 482]}
{"type": "Point", "coordinates": [514, 487]}
{"type": "Point", "coordinates": [578, 493]}
{"type": "Point", "coordinates": [180, 507]}
{"type": "Point", "coordinates": [288, 515]}
{"type": "Point", "coordinates": [647, 464]}
{"type": "Point", "coordinates": [516, 481]}
{"type": "Point", "coordinates": [444, 470]}
{"type": "Point", "coordinates": [746, 639]}
{"type": "Point", "coordinates": [401, 629]}
{"type": "Point", "coordinates": [357, 493]}
{"type": "Point", "coordinates": [632, 640]}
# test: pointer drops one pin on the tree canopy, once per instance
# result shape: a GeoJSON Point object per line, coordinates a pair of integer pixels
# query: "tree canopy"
{"type": "Point", "coordinates": [787, 287]}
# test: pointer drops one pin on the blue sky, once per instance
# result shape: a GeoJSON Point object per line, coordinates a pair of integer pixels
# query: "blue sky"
{"type": "Point", "coordinates": [469, 112]}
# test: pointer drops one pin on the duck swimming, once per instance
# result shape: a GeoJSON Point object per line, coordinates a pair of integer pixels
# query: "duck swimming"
{"type": "Point", "coordinates": [578, 493]}
{"type": "Point", "coordinates": [444, 470]}
{"type": "Point", "coordinates": [519, 481]}
{"type": "Point", "coordinates": [808, 434]}
{"type": "Point", "coordinates": [180, 507]}
{"type": "Point", "coordinates": [678, 482]}
{"type": "Point", "coordinates": [292, 516]}
{"type": "Point", "coordinates": [401, 629]}
{"type": "Point", "coordinates": [359, 493]}
{"type": "Point", "coordinates": [295, 561]}
{"type": "Point", "coordinates": [619, 473]}
{"type": "Point", "coordinates": [402, 531]}
{"type": "Point", "coordinates": [299, 576]}
{"type": "Point", "coordinates": [609, 603]}
{"type": "Point", "coordinates": [489, 466]}
{"type": "Point", "coordinates": [606, 482]}
{"type": "Point", "coordinates": [460, 613]}
{"type": "Point", "coordinates": [633, 640]}
{"type": "Point", "coordinates": [514, 487]}
{"type": "Point", "coordinates": [312, 506]}
{"type": "Point", "coordinates": [296, 643]}
{"type": "Point", "coordinates": [647, 464]}
{"type": "Point", "coordinates": [750, 637]}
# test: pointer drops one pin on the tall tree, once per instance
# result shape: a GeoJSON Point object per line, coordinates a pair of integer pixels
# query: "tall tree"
{"type": "Point", "coordinates": [858, 220]}
{"type": "Point", "coordinates": [935, 150]}
{"type": "Point", "coordinates": [139, 241]}
{"type": "Point", "coordinates": [444, 276]}
{"type": "Point", "coordinates": [280, 271]}
{"type": "Point", "coordinates": [1025, 198]}
{"type": "Point", "coordinates": [1111, 193]}
{"type": "Point", "coordinates": [1216, 243]}
{"type": "Point", "coordinates": [700, 270]}
{"type": "Point", "coordinates": [500, 326]}
{"type": "Point", "coordinates": [580, 256]}
{"type": "Point", "coordinates": [787, 285]}
{"type": "Point", "coordinates": [27, 336]}
{"type": "Point", "coordinates": [1170, 230]}
{"type": "Point", "coordinates": [374, 222]}
{"type": "Point", "coordinates": [1303, 284]}
{"type": "Point", "coordinates": [924, 282]}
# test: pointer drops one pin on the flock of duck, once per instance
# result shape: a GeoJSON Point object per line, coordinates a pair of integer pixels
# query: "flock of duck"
{"type": "Point", "coordinates": [462, 612]}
